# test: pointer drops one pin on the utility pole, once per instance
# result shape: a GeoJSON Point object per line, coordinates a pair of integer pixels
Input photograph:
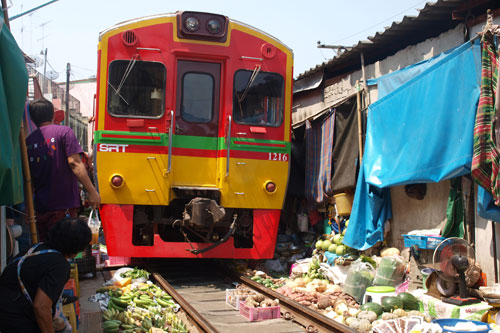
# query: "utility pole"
{"type": "Point", "coordinates": [338, 48]}
{"type": "Point", "coordinates": [68, 71]}
{"type": "Point", "coordinates": [5, 13]}
{"type": "Point", "coordinates": [44, 90]}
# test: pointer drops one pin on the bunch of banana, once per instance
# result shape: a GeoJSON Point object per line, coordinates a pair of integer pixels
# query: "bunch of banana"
{"type": "Point", "coordinates": [111, 326]}
{"type": "Point", "coordinates": [165, 301]}
{"type": "Point", "coordinates": [159, 321]}
{"type": "Point", "coordinates": [143, 301]}
{"type": "Point", "coordinates": [178, 326]}
{"type": "Point", "coordinates": [113, 305]}
{"type": "Point", "coordinates": [110, 314]}
{"type": "Point", "coordinates": [146, 323]}
{"type": "Point", "coordinates": [122, 301]}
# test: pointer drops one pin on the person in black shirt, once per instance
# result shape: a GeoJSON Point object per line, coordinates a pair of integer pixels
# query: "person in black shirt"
{"type": "Point", "coordinates": [28, 301]}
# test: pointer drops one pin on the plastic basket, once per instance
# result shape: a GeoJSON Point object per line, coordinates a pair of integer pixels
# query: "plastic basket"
{"type": "Point", "coordinates": [255, 314]}
{"type": "Point", "coordinates": [234, 299]}
{"type": "Point", "coordinates": [423, 242]}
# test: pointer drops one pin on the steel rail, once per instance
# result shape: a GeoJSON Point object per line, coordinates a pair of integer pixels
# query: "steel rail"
{"type": "Point", "coordinates": [198, 319]}
{"type": "Point", "coordinates": [313, 321]}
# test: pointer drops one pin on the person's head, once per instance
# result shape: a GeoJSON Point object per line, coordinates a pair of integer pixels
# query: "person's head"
{"type": "Point", "coordinates": [41, 111]}
{"type": "Point", "coordinates": [70, 236]}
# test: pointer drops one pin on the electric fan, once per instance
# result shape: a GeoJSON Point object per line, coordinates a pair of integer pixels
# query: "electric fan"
{"type": "Point", "coordinates": [451, 259]}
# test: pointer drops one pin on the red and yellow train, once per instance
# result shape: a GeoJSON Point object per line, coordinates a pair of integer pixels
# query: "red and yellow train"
{"type": "Point", "coordinates": [192, 136]}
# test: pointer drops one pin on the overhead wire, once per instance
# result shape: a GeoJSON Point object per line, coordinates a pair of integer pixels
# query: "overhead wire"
{"type": "Point", "coordinates": [377, 24]}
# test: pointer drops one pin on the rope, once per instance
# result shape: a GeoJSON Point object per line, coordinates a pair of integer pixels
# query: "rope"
{"type": "Point", "coordinates": [17, 211]}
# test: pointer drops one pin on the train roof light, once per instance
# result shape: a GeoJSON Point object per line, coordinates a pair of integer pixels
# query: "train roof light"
{"type": "Point", "coordinates": [214, 26]}
{"type": "Point", "coordinates": [202, 26]}
{"type": "Point", "coordinates": [192, 24]}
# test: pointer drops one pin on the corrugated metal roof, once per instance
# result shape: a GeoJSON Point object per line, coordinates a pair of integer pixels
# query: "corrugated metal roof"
{"type": "Point", "coordinates": [434, 19]}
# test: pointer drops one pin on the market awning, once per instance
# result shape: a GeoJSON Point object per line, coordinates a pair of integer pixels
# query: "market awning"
{"type": "Point", "coordinates": [423, 131]}
{"type": "Point", "coordinates": [13, 87]}
{"type": "Point", "coordinates": [420, 132]}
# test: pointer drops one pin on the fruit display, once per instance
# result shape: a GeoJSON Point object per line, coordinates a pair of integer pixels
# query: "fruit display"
{"type": "Point", "coordinates": [259, 301]}
{"type": "Point", "coordinates": [139, 307]}
{"type": "Point", "coordinates": [333, 243]}
{"type": "Point", "coordinates": [135, 273]}
{"type": "Point", "coordinates": [265, 279]}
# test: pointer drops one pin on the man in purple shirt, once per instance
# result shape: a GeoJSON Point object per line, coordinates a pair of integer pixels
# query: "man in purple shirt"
{"type": "Point", "coordinates": [56, 168]}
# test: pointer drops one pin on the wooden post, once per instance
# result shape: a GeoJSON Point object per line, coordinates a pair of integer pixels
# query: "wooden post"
{"type": "Point", "coordinates": [28, 192]}
{"type": "Point", "coordinates": [360, 121]}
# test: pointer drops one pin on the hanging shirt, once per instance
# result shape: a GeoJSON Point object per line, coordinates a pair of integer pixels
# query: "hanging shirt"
{"type": "Point", "coordinates": [56, 187]}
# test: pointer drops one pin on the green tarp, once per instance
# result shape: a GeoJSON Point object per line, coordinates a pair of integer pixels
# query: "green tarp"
{"type": "Point", "coordinates": [13, 88]}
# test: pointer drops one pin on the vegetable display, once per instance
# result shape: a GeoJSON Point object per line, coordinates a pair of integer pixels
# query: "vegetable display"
{"type": "Point", "coordinates": [390, 303]}
{"type": "Point", "coordinates": [135, 273]}
{"type": "Point", "coordinates": [139, 307]}
{"type": "Point", "coordinates": [410, 302]}
{"type": "Point", "coordinates": [359, 277]}
{"type": "Point", "coordinates": [390, 271]}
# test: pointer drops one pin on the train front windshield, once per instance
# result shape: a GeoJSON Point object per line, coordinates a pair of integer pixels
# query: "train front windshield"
{"type": "Point", "coordinates": [258, 98]}
{"type": "Point", "coordinates": [136, 88]}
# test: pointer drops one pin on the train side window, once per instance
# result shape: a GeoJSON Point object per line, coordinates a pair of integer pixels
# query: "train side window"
{"type": "Point", "coordinates": [197, 97]}
{"type": "Point", "coordinates": [136, 89]}
{"type": "Point", "coordinates": [258, 98]}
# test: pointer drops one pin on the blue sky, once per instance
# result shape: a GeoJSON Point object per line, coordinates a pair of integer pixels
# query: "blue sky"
{"type": "Point", "coordinates": [69, 29]}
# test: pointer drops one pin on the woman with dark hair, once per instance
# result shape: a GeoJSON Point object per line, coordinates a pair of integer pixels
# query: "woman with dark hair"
{"type": "Point", "coordinates": [33, 282]}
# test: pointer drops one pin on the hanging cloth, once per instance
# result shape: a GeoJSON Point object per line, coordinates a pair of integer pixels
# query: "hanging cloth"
{"type": "Point", "coordinates": [486, 157]}
{"type": "Point", "coordinates": [455, 214]}
{"type": "Point", "coordinates": [346, 148]}
{"type": "Point", "coordinates": [370, 209]}
{"type": "Point", "coordinates": [319, 144]}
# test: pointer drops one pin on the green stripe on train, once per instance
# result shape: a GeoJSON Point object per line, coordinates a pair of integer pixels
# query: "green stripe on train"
{"type": "Point", "coordinates": [192, 142]}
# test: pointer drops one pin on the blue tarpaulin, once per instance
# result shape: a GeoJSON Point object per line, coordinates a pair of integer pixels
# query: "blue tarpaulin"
{"type": "Point", "coordinates": [423, 131]}
{"type": "Point", "coordinates": [486, 207]}
{"type": "Point", "coordinates": [420, 132]}
{"type": "Point", "coordinates": [389, 82]}
{"type": "Point", "coordinates": [371, 208]}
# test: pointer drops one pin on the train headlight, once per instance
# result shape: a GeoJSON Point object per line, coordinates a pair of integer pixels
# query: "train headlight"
{"type": "Point", "coordinates": [270, 187]}
{"type": "Point", "coordinates": [116, 181]}
{"type": "Point", "coordinates": [192, 24]}
{"type": "Point", "coordinates": [214, 26]}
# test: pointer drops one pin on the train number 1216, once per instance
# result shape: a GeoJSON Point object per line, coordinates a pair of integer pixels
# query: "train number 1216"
{"type": "Point", "coordinates": [278, 157]}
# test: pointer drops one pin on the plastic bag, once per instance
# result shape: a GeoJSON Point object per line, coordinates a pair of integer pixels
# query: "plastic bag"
{"type": "Point", "coordinates": [359, 277]}
{"type": "Point", "coordinates": [336, 274]}
{"type": "Point", "coordinates": [300, 268]}
{"type": "Point", "coordinates": [94, 224]}
{"type": "Point", "coordinates": [390, 271]}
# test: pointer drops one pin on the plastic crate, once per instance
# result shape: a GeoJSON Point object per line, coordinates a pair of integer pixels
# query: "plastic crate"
{"type": "Point", "coordinates": [423, 242]}
{"type": "Point", "coordinates": [255, 314]}
{"type": "Point", "coordinates": [234, 299]}
{"type": "Point", "coordinates": [86, 265]}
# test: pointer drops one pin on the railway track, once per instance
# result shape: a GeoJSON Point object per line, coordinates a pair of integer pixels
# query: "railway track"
{"type": "Point", "coordinates": [200, 288]}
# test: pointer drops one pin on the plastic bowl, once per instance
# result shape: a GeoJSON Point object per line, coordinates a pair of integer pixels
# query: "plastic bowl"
{"type": "Point", "coordinates": [453, 322]}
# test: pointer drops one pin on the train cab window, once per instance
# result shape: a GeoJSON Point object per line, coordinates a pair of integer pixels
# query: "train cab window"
{"type": "Point", "coordinates": [197, 97]}
{"type": "Point", "coordinates": [258, 98]}
{"type": "Point", "coordinates": [136, 89]}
